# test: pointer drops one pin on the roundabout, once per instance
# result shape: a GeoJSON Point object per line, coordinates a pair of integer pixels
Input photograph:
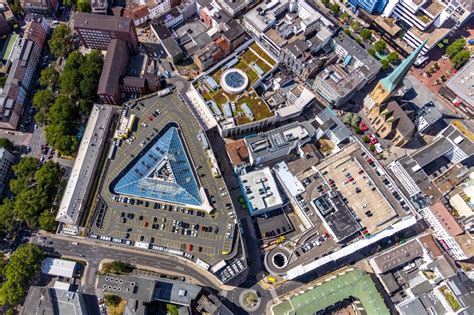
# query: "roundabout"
{"type": "Point", "coordinates": [234, 81]}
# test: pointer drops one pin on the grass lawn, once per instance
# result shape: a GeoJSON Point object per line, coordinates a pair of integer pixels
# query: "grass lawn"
{"type": "Point", "coordinates": [262, 53]}
{"type": "Point", "coordinates": [257, 105]}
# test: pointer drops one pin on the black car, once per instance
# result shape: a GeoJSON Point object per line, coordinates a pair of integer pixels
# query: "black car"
{"type": "Point", "coordinates": [152, 239]}
{"type": "Point", "coordinates": [124, 220]}
{"type": "Point", "coordinates": [155, 219]}
{"type": "Point", "coordinates": [122, 214]}
{"type": "Point", "coordinates": [140, 218]}
{"type": "Point", "coordinates": [142, 238]}
{"type": "Point", "coordinates": [127, 235]}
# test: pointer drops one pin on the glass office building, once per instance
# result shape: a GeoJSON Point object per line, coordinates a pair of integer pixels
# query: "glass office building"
{"type": "Point", "coordinates": [161, 172]}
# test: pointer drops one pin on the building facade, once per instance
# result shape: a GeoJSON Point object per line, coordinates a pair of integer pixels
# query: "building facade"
{"type": "Point", "coordinates": [96, 31]}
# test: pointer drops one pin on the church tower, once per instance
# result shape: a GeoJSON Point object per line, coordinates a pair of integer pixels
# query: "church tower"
{"type": "Point", "coordinates": [388, 85]}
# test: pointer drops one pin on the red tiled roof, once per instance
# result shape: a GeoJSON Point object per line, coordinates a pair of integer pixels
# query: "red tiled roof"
{"type": "Point", "coordinates": [446, 219]}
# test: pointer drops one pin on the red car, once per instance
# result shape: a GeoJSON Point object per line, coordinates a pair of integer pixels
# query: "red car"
{"type": "Point", "coordinates": [150, 118]}
{"type": "Point", "coordinates": [146, 223]}
{"type": "Point", "coordinates": [190, 247]}
{"type": "Point", "coordinates": [363, 127]}
{"type": "Point", "coordinates": [373, 139]}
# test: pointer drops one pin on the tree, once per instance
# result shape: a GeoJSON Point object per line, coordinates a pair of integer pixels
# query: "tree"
{"type": "Point", "coordinates": [69, 81]}
{"type": "Point", "coordinates": [49, 77]}
{"type": "Point", "coordinates": [385, 64]}
{"type": "Point", "coordinates": [455, 47]}
{"type": "Point", "coordinates": [47, 221]}
{"type": "Point", "coordinates": [3, 80]}
{"type": "Point", "coordinates": [85, 106]}
{"type": "Point", "coordinates": [365, 138]}
{"type": "Point", "coordinates": [325, 2]}
{"type": "Point", "coordinates": [345, 17]}
{"type": "Point", "coordinates": [29, 204]}
{"type": "Point", "coordinates": [112, 299]}
{"type": "Point", "coordinates": [335, 8]}
{"type": "Point", "coordinates": [365, 34]}
{"type": "Point", "coordinates": [347, 119]}
{"type": "Point", "coordinates": [172, 309]}
{"type": "Point", "coordinates": [461, 58]}
{"type": "Point", "coordinates": [355, 121]}
{"type": "Point", "coordinates": [355, 26]}
{"type": "Point", "coordinates": [48, 177]}
{"type": "Point", "coordinates": [371, 52]}
{"type": "Point", "coordinates": [24, 172]}
{"type": "Point", "coordinates": [59, 43]}
{"type": "Point", "coordinates": [42, 101]}
{"type": "Point", "coordinates": [380, 46]}
{"type": "Point", "coordinates": [372, 147]}
{"type": "Point", "coordinates": [7, 216]}
{"type": "Point", "coordinates": [347, 31]}
{"type": "Point", "coordinates": [358, 40]}
{"type": "Point", "coordinates": [24, 262]}
{"type": "Point", "coordinates": [84, 6]}
{"type": "Point", "coordinates": [393, 57]}
{"type": "Point", "coordinates": [7, 144]}
{"type": "Point", "coordinates": [16, 7]}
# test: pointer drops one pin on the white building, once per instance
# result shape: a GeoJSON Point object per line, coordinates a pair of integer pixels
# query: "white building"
{"type": "Point", "coordinates": [445, 229]}
{"type": "Point", "coordinates": [83, 174]}
{"type": "Point", "coordinates": [59, 267]}
{"type": "Point", "coordinates": [260, 191]}
{"type": "Point", "coordinates": [423, 19]}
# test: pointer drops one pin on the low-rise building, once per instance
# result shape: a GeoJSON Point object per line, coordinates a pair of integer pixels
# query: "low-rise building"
{"type": "Point", "coordinates": [292, 30]}
{"type": "Point", "coordinates": [83, 174]}
{"type": "Point", "coordinates": [169, 44]}
{"type": "Point", "coordinates": [21, 67]}
{"type": "Point", "coordinates": [329, 126]}
{"type": "Point", "coordinates": [271, 146]}
{"type": "Point", "coordinates": [45, 7]}
{"type": "Point", "coordinates": [260, 191]}
{"type": "Point", "coordinates": [429, 21]}
{"type": "Point", "coordinates": [115, 66]}
{"type": "Point", "coordinates": [429, 120]}
{"type": "Point", "coordinates": [99, 6]}
{"type": "Point", "coordinates": [348, 73]}
{"type": "Point", "coordinates": [430, 172]}
{"type": "Point", "coordinates": [139, 14]}
{"type": "Point", "coordinates": [149, 288]}
{"type": "Point", "coordinates": [459, 91]}
{"type": "Point", "coordinates": [59, 267]}
{"type": "Point", "coordinates": [44, 300]}
{"type": "Point", "coordinates": [446, 229]}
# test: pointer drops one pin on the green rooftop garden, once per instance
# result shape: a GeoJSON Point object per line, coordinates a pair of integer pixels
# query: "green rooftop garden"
{"type": "Point", "coordinates": [258, 106]}
{"type": "Point", "coordinates": [356, 284]}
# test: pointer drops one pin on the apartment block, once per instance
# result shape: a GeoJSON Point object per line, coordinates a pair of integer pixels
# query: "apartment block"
{"type": "Point", "coordinates": [97, 31]}
{"type": "Point", "coordinates": [292, 30]}
{"type": "Point", "coordinates": [21, 67]}
{"type": "Point", "coordinates": [45, 7]}
{"type": "Point", "coordinates": [428, 20]}
{"type": "Point", "coordinates": [348, 72]}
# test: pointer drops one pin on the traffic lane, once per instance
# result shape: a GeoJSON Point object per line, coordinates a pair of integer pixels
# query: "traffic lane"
{"type": "Point", "coordinates": [93, 254]}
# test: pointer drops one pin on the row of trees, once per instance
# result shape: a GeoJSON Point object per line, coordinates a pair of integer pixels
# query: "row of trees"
{"type": "Point", "coordinates": [457, 53]}
{"type": "Point", "coordinates": [34, 189]}
{"type": "Point", "coordinates": [23, 264]}
{"type": "Point", "coordinates": [64, 97]}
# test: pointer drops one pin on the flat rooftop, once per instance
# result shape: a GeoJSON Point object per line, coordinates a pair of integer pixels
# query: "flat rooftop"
{"type": "Point", "coordinates": [335, 288]}
{"type": "Point", "coordinates": [335, 214]}
{"type": "Point", "coordinates": [461, 83]}
{"type": "Point", "coordinates": [43, 300]}
{"type": "Point", "coordinates": [260, 191]}
{"type": "Point", "coordinates": [228, 109]}
{"type": "Point", "coordinates": [149, 289]}
{"type": "Point", "coordinates": [83, 171]}
{"type": "Point", "coordinates": [352, 179]}
{"type": "Point", "coordinates": [397, 257]}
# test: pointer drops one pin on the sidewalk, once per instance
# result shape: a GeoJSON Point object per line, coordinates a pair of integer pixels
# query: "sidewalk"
{"type": "Point", "coordinates": [186, 262]}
